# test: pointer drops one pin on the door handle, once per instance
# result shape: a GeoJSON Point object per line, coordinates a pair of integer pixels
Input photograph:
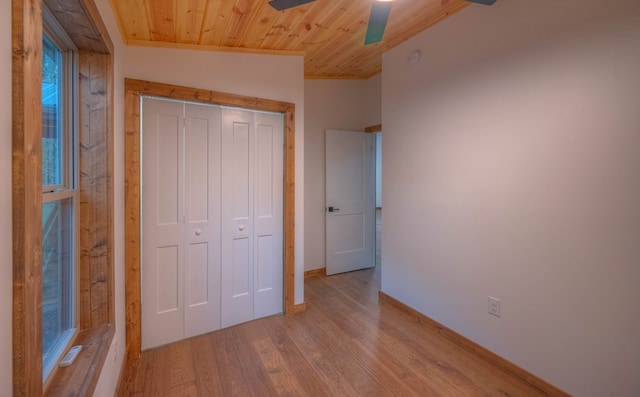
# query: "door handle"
{"type": "Point", "coordinates": [198, 232]}
{"type": "Point", "coordinates": [333, 209]}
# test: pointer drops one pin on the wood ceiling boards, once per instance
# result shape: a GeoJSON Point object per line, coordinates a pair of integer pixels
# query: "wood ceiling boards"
{"type": "Point", "coordinates": [329, 33]}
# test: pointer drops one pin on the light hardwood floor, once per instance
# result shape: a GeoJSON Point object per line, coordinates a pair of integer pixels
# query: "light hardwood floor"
{"type": "Point", "coordinates": [345, 344]}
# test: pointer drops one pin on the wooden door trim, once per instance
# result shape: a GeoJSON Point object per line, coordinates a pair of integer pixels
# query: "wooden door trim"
{"type": "Point", "coordinates": [133, 90]}
{"type": "Point", "coordinates": [373, 128]}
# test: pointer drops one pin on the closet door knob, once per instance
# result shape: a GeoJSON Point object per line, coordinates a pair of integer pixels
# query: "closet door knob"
{"type": "Point", "coordinates": [198, 232]}
{"type": "Point", "coordinates": [241, 227]}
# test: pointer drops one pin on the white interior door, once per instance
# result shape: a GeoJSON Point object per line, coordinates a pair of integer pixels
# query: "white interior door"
{"type": "Point", "coordinates": [180, 221]}
{"type": "Point", "coordinates": [252, 204]}
{"type": "Point", "coordinates": [350, 201]}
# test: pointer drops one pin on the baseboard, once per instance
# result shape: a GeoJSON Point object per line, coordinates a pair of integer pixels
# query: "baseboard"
{"type": "Point", "coordinates": [299, 307]}
{"type": "Point", "coordinates": [315, 272]}
{"type": "Point", "coordinates": [485, 354]}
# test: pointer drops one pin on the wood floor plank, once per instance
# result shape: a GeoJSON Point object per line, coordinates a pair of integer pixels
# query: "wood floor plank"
{"type": "Point", "coordinates": [188, 389]}
{"type": "Point", "coordinates": [324, 363]}
{"type": "Point", "coordinates": [344, 344]}
{"type": "Point", "coordinates": [181, 369]}
{"type": "Point", "coordinates": [292, 357]}
{"type": "Point", "coordinates": [387, 341]}
{"type": "Point", "coordinates": [157, 381]}
{"type": "Point", "coordinates": [281, 375]}
{"type": "Point", "coordinates": [236, 383]}
{"type": "Point", "coordinates": [206, 369]}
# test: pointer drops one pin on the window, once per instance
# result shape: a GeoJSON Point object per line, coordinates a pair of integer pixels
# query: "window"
{"type": "Point", "coordinates": [60, 194]}
{"type": "Point", "coordinates": [83, 75]}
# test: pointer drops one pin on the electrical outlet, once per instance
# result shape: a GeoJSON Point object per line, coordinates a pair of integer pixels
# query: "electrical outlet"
{"type": "Point", "coordinates": [494, 306]}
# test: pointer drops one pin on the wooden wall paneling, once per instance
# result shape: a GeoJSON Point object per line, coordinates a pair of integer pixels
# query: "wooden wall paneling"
{"type": "Point", "coordinates": [95, 192]}
{"type": "Point", "coordinates": [82, 22]}
{"type": "Point", "coordinates": [110, 194]}
{"type": "Point", "coordinates": [101, 247]}
{"type": "Point", "coordinates": [27, 196]}
{"type": "Point", "coordinates": [86, 192]}
{"type": "Point", "coordinates": [96, 228]}
{"type": "Point", "coordinates": [133, 90]}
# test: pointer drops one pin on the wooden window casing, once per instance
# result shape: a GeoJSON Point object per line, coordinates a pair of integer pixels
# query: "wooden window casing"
{"type": "Point", "coordinates": [81, 21]}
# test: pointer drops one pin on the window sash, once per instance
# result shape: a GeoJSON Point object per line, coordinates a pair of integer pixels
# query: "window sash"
{"type": "Point", "coordinates": [61, 203]}
{"type": "Point", "coordinates": [67, 101]}
{"type": "Point", "coordinates": [59, 277]}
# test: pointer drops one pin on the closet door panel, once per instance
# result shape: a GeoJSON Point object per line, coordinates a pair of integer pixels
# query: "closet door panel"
{"type": "Point", "coordinates": [197, 170]}
{"type": "Point", "coordinates": [268, 218]}
{"type": "Point", "coordinates": [264, 268]}
{"type": "Point", "coordinates": [202, 219]}
{"type": "Point", "coordinates": [167, 142]}
{"type": "Point", "coordinates": [241, 270]}
{"type": "Point", "coordinates": [240, 166]}
{"type": "Point", "coordinates": [162, 226]}
{"type": "Point", "coordinates": [197, 277]}
{"type": "Point", "coordinates": [237, 210]}
{"type": "Point", "coordinates": [168, 265]}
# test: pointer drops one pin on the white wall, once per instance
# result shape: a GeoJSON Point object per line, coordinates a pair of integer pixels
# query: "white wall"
{"type": "Point", "coordinates": [6, 245]}
{"type": "Point", "coordinates": [330, 104]}
{"type": "Point", "coordinates": [511, 169]}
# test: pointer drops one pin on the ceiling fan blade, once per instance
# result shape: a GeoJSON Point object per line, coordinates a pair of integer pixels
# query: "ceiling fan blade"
{"type": "Point", "coordinates": [377, 21]}
{"type": "Point", "coordinates": [286, 4]}
{"type": "Point", "coordinates": [485, 2]}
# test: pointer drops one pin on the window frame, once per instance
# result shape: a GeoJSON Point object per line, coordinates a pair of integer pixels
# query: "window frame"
{"type": "Point", "coordinates": [82, 20]}
{"type": "Point", "coordinates": [68, 188]}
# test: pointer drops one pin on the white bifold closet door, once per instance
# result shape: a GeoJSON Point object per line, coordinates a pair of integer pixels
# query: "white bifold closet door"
{"type": "Point", "coordinates": [211, 218]}
{"type": "Point", "coordinates": [252, 218]}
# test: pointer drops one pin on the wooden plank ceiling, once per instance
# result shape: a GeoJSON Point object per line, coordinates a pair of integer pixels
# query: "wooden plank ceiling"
{"type": "Point", "coordinates": [329, 33]}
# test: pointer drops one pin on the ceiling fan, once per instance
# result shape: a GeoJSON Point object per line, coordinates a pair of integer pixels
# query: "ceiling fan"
{"type": "Point", "coordinates": [380, 10]}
